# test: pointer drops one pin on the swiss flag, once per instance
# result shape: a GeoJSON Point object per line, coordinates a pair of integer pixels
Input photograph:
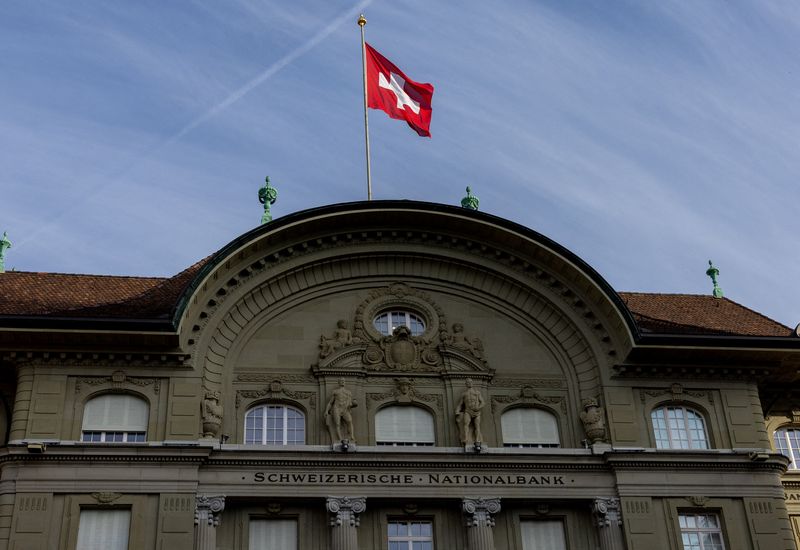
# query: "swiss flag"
{"type": "Point", "coordinates": [391, 91]}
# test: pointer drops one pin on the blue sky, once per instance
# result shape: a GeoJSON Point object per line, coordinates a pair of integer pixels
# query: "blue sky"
{"type": "Point", "coordinates": [647, 137]}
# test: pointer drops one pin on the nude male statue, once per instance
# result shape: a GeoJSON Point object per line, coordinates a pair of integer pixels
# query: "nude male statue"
{"type": "Point", "coordinates": [338, 412]}
{"type": "Point", "coordinates": [468, 415]}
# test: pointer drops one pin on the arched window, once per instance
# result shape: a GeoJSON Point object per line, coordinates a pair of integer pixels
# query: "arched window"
{"type": "Point", "coordinates": [274, 425]}
{"type": "Point", "coordinates": [679, 428]}
{"type": "Point", "coordinates": [387, 321]}
{"type": "Point", "coordinates": [115, 418]}
{"type": "Point", "coordinates": [398, 425]}
{"type": "Point", "coordinates": [787, 441]}
{"type": "Point", "coordinates": [528, 427]}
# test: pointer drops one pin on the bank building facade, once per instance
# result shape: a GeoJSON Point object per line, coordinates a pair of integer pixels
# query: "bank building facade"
{"type": "Point", "coordinates": [391, 375]}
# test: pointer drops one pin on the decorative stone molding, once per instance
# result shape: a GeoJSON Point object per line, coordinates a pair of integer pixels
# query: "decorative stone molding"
{"type": "Point", "coordinates": [699, 501]}
{"type": "Point", "coordinates": [295, 378]}
{"type": "Point", "coordinates": [208, 509]}
{"type": "Point", "coordinates": [545, 294]}
{"type": "Point", "coordinates": [275, 390]}
{"type": "Point", "coordinates": [106, 498]}
{"type": "Point", "coordinates": [345, 510]}
{"type": "Point", "coordinates": [676, 392]}
{"type": "Point", "coordinates": [118, 381]}
{"type": "Point", "coordinates": [404, 392]}
{"type": "Point", "coordinates": [527, 395]}
{"type": "Point", "coordinates": [434, 351]}
{"type": "Point", "coordinates": [606, 512]}
{"type": "Point", "coordinates": [525, 382]}
{"type": "Point", "coordinates": [479, 511]}
{"type": "Point", "coordinates": [403, 296]}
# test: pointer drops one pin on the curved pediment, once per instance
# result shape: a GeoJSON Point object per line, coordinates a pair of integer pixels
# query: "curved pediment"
{"type": "Point", "coordinates": [392, 225]}
{"type": "Point", "coordinates": [401, 254]}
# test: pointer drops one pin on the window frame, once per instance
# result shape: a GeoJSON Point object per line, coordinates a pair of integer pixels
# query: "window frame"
{"type": "Point", "coordinates": [666, 407]}
{"type": "Point", "coordinates": [553, 519]}
{"type": "Point", "coordinates": [399, 443]}
{"type": "Point", "coordinates": [410, 539]}
{"type": "Point", "coordinates": [793, 454]}
{"type": "Point", "coordinates": [284, 424]}
{"type": "Point", "coordinates": [126, 434]}
{"type": "Point", "coordinates": [409, 315]}
{"type": "Point", "coordinates": [700, 530]}
{"type": "Point", "coordinates": [530, 445]}
{"type": "Point", "coordinates": [294, 519]}
{"type": "Point", "coordinates": [84, 511]}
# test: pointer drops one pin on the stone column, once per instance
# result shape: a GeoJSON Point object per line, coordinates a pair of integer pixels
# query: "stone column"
{"type": "Point", "coordinates": [206, 519]}
{"type": "Point", "coordinates": [344, 521]}
{"type": "Point", "coordinates": [480, 522]}
{"type": "Point", "coordinates": [608, 520]}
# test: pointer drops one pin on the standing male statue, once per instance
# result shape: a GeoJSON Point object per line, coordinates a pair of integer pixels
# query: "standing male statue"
{"type": "Point", "coordinates": [338, 412]}
{"type": "Point", "coordinates": [468, 415]}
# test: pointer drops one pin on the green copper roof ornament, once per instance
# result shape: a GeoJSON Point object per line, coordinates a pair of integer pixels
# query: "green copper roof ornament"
{"type": "Point", "coordinates": [267, 196]}
{"type": "Point", "coordinates": [470, 202]}
{"type": "Point", "coordinates": [713, 272]}
{"type": "Point", "coordinates": [5, 244]}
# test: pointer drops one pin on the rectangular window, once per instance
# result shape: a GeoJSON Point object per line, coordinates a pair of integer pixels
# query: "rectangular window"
{"type": "Point", "coordinates": [273, 534]}
{"type": "Point", "coordinates": [538, 534]}
{"type": "Point", "coordinates": [104, 529]}
{"type": "Point", "coordinates": [410, 535]}
{"type": "Point", "coordinates": [701, 532]}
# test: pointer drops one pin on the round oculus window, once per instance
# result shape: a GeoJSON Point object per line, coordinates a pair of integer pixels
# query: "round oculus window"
{"type": "Point", "coordinates": [386, 322]}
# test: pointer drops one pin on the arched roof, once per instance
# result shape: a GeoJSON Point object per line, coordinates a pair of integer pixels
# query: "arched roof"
{"type": "Point", "coordinates": [510, 241]}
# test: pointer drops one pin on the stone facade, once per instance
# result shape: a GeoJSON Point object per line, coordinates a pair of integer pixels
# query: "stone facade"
{"type": "Point", "coordinates": [284, 318]}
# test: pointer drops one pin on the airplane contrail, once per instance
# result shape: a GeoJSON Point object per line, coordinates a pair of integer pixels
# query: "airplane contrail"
{"type": "Point", "coordinates": [232, 98]}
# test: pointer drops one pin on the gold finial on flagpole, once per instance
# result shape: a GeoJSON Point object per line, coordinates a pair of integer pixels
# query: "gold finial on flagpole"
{"type": "Point", "coordinates": [362, 20]}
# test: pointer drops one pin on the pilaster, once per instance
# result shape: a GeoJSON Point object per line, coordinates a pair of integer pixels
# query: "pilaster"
{"type": "Point", "coordinates": [608, 520]}
{"type": "Point", "coordinates": [479, 513]}
{"type": "Point", "coordinates": [207, 513]}
{"type": "Point", "coordinates": [344, 521]}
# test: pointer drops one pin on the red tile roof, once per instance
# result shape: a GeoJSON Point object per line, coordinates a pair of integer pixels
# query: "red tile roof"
{"type": "Point", "coordinates": [698, 314]}
{"type": "Point", "coordinates": [111, 297]}
{"type": "Point", "coordinates": [91, 296]}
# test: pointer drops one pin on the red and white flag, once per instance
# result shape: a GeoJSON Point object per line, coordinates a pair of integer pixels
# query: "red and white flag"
{"type": "Point", "coordinates": [391, 91]}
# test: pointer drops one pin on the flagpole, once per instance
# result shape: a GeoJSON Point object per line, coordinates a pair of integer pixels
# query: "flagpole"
{"type": "Point", "coordinates": [361, 22]}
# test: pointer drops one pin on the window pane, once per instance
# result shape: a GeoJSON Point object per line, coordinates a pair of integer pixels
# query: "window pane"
{"type": "Point", "coordinates": [529, 427]}
{"type": "Point", "coordinates": [410, 535]}
{"type": "Point", "coordinates": [104, 529]}
{"type": "Point", "coordinates": [272, 534]}
{"type": "Point", "coordinates": [537, 535]}
{"type": "Point", "coordinates": [678, 428]}
{"type": "Point", "coordinates": [399, 424]}
{"type": "Point", "coordinates": [701, 532]}
{"type": "Point", "coordinates": [274, 425]}
{"type": "Point", "coordinates": [386, 322]}
{"type": "Point", "coordinates": [113, 412]}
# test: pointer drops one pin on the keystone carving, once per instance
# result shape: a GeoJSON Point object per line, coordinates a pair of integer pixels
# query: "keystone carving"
{"type": "Point", "coordinates": [106, 498]}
